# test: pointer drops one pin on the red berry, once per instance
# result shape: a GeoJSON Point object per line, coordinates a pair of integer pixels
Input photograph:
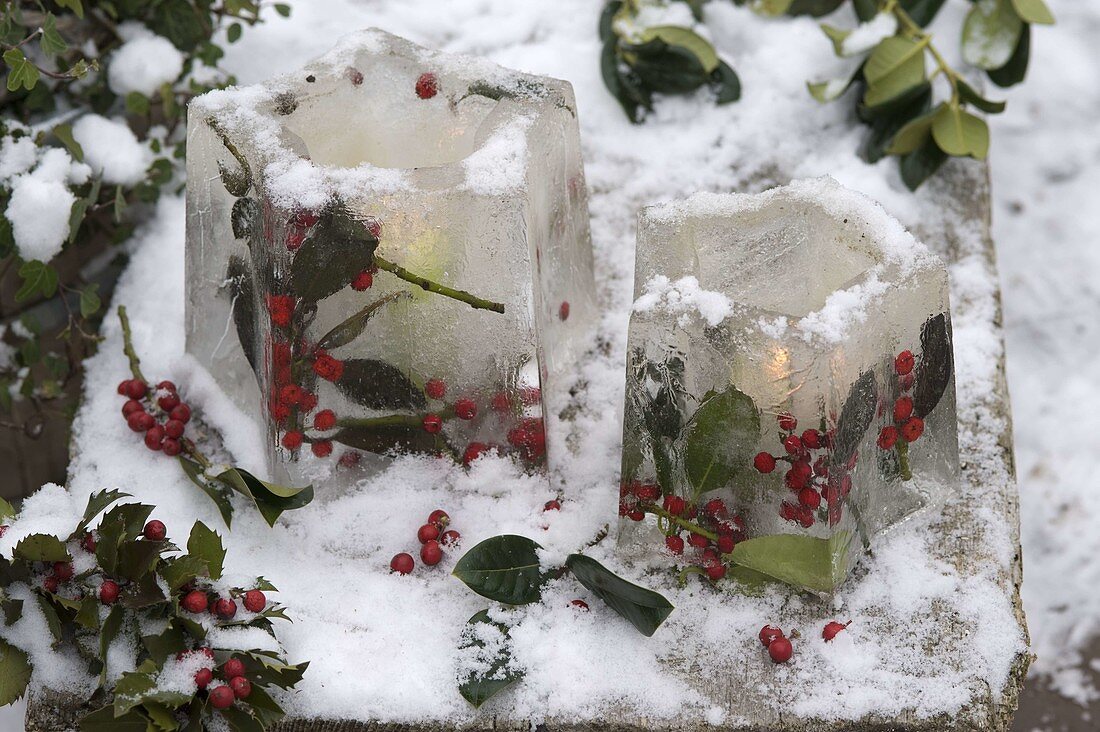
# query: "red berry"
{"type": "Point", "coordinates": [233, 668]}
{"type": "Point", "coordinates": [155, 530]}
{"type": "Point", "coordinates": [88, 543]}
{"type": "Point", "coordinates": [136, 389]}
{"type": "Point", "coordinates": [427, 532]}
{"type": "Point", "coordinates": [154, 436]}
{"type": "Point", "coordinates": [308, 402]}
{"type": "Point", "coordinates": [203, 677]}
{"type": "Point", "coordinates": [435, 388]}
{"type": "Point", "coordinates": [636, 515]}
{"type": "Point", "coordinates": [787, 422]}
{"type": "Point", "coordinates": [797, 478]}
{"type": "Point", "coordinates": [222, 697]}
{"type": "Point", "coordinates": [793, 445]}
{"type": "Point", "coordinates": [292, 440]}
{"type": "Point", "coordinates": [698, 540]}
{"type": "Point", "coordinates": [225, 609]}
{"type": "Point", "coordinates": [439, 517]}
{"type": "Point", "coordinates": [181, 413]}
{"type": "Point", "coordinates": [906, 381]}
{"type": "Point", "coordinates": [171, 447]}
{"type": "Point", "coordinates": [788, 511]}
{"type": "Point", "coordinates": [465, 409]}
{"type": "Point", "coordinates": [124, 387]}
{"type": "Point", "coordinates": [715, 570]}
{"type": "Point", "coordinates": [647, 492]}
{"type": "Point", "coordinates": [349, 459]}
{"type": "Point", "coordinates": [431, 553]}
{"type": "Point", "coordinates": [374, 226]}
{"type": "Point", "coordinates": [888, 437]}
{"type": "Point", "coordinates": [433, 423]}
{"type": "Point", "coordinates": [809, 498]}
{"type": "Point", "coordinates": [327, 367]}
{"type": "Point", "coordinates": [324, 420]}
{"type": "Point", "coordinates": [402, 563]}
{"type": "Point", "coordinates": [427, 86]}
{"type": "Point", "coordinates": [362, 281]}
{"type": "Point", "coordinates": [173, 428]}
{"type": "Point", "coordinates": [780, 650]}
{"type": "Point", "coordinates": [806, 517]}
{"type": "Point", "coordinates": [136, 421]}
{"type": "Point", "coordinates": [241, 687]}
{"type": "Point", "coordinates": [166, 385]}
{"type": "Point", "coordinates": [255, 601]}
{"type": "Point", "coordinates": [769, 633]}
{"type": "Point", "coordinates": [764, 462]}
{"type": "Point", "coordinates": [904, 363]}
{"type": "Point", "coordinates": [294, 239]}
{"type": "Point", "coordinates": [131, 406]}
{"type": "Point", "coordinates": [108, 592]}
{"type": "Point", "coordinates": [903, 409]}
{"type": "Point", "coordinates": [675, 505]}
{"type": "Point", "coordinates": [322, 448]}
{"type": "Point", "coordinates": [563, 310]}
{"type": "Point", "coordinates": [63, 571]}
{"type": "Point", "coordinates": [195, 601]}
{"type": "Point", "coordinates": [450, 538]}
{"type": "Point", "coordinates": [581, 604]}
{"type": "Point", "coordinates": [811, 439]}
{"type": "Point", "coordinates": [473, 451]}
{"type": "Point", "coordinates": [832, 628]}
{"type": "Point", "coordinates": [50, 584]}
{"type": "Point", "coordinates": [290, 395]}
{"type": "Point", "coordinates": [304, 218]}
{"type": "Point", "coordinates": [715, 507]}
{"type": "Point", "coordinates": [913, 429]}
{"type": "Point", "coordinates": [726, 544]}
{"type": "Point", "coordinates": [501, 403]}
{"type": "Point", "coordinates": [551, 505]}
{"type": "Point", "coordinates": [675, 544]}
{"type": "Point", "coordinates": [168, 401]}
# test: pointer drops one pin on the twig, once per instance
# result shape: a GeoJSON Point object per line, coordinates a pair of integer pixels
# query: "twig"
{"type": "Point", "coordinates": [426, 284]}
{"type": "Point", "coordinates": [128, 344]}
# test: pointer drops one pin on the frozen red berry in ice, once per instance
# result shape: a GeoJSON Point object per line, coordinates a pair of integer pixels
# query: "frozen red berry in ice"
{"type": "Point", "coordinates": [222, 697]}
{"type": "Point", "coordinates": [636, 515]}
{"type": "Point", "coordinates": [439, 518]}
{"type": "Point", "coordinates": [715, 507]}
{"type": "Point", "coordinates": [63, 571]}
{"type": "Point", "coordinates": [831, 629]}
{"type": "Point", "coordinates": [563, 310]}
{"type": "Point", "coordinates": [349, 459]}
{"type": "Point", "coordinates": [450, 538]}
{"type": "Point", "coordinates": [168, 401]}
{"type": "Point", "coordinates": [912, 429]}
{"type": "Point", "coordinates": [714, 569]}
{"type": "Point", "coordinates": [427, 85]}
{"type": "Point", "coordinates": [809, 498]}
{"type": "Point", "coordinates": [292, 440]}
{"type": "Point", "coordinates": [675, 505]}
{"type": "Point", "coordinates": [675, 544]}
{"type": "Point", "coordinates": [579, 604]}
{"type": "Point", "coordinates": [906, 381]}
{"type": "Point", "coordinates": [294, 239]}
{"type": "Point", "coordinates": [402, 563]}
{"type": "Point", "coordinates": [797, 478]}
{"type": "Point", "coordinates": [788, 511]}
{"type": "Point", "coordinates": [793, 444]}
{"type": "Point", "coordinates": [131, 406]}
{"type": "Point", "coordinates": [552, 505]}
{"type": "Point", "coordinates": [904, 363]}
{"type": "Point", "coordinates": [374, 226]}
{"type": "Point", "coordinates": [321, 448]}
{"type": "Point", "coordinates": [290, 395]}
{"type": "Point", "coordinates": [780, 650]}
{"type": "Point", "coordinates": [154, 436]}
{"type": "Point", "coordinates": [233, 668]}
{"type": "Point", "coordinates": [181, 413]}
{"type": "Point", "coordinates": [327, 367]}
{"type": "Point", "coordinates": [431, 553]}
{"type": "Point", "coordinates": [155, 530]}
{"type": "Point", "coordinates": [887, 437]}
{"type": "Point", "coordinates": [304, 218]}
{"type": "Point", "coordinates": [501, 403]}
{"type": "Point", "coordinates": [195, 601]}
{"type": "Point", "coordinates": [811, 439]}
{"type": "Point", "coordinates": [362, 281]}
{"type": "Point", "coordinates": [768, 634]}
{"type": "Point", "coordinates": [225, 608]}
{"type": "Point", "coordinates": [324, 420]}
{"type": "Point", "coordinates": [426, 533]}
{"type": "Point", "coordinates": [764, 462]}
{"type": "Point", "coordinates": [465, 409]}
{"type": "Point", "coordinates": [87, 543]}
{"type": "Point", "coordinates": [136, 389]}
{"type": "Point", "coordinates": [241, 687]}
{"type": "Point", "coordinates": [787, 422]}
{"type": "Point", "coordinates": [903, 409]}
{"type": "Point", "coordinates": [698, 541]}
{"type": "Point", "coordinates": [255, 601]}
{"type": "Point", "coordinates": [108, 592]}
{"type": "Point", "coordinates": [203, 677]}
{"type": "Point", "coordinates": [647, 492]}
{"type": "Point", "coordinates": [432, 423]}
{"type": "Point", "coordinates": [308, 402]}
{"type": "Point", "coordinates": [726, 544]}
{"type": "Point", "coordinates": [281, 309]}
{"type": "Point", "coordinates": [435, 388]}
{"type": "Point", "coordinates": [806, 517]}
{"type": "Point", "coordinates": [473, 451]}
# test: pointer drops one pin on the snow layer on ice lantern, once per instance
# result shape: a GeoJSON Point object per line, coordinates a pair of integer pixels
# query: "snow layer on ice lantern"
{"type": "Point", "coordinates": [393, 245]}
{"type": "Point", "coordinates": [790, 383]}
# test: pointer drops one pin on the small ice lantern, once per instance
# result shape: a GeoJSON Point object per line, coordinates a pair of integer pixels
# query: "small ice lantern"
{"type": "Point", "coordinates": [790, 387]}
{"type": "Point", "coordinates": [392, 244]}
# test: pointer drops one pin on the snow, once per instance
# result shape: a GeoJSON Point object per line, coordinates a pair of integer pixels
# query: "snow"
{"type": "Point", "coordinates": [143, 64]}
{"type": "Point", "coordinates": [39, 206]}
{"type": "Point", "coordinates": [868, 35]}
{"type": "Point", "coordinates": [334, 553]}
{"type": "Point", "coordinates": [112, 149]}
{"type": "Point", "coordinates": [16, 156]}
{"type": "Point", "coordinates": [500, 165]}
{"type": "Point", "coordinates": [684, 296]}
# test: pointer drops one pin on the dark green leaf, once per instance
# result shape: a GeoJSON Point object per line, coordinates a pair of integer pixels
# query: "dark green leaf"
{"type": "Point", "coordinates": [917, 166]}
{"type": "Point", "coordinates": [41, 548]}
{"type": "Point", "coordinates": [727, 83]}
{"type": "Point", "coordinates": [855, 417]}
{"type": "Point", "coordinates": [240, 720]}
{"type": "Point", "coordinates": [721, 439]}
{"type": "Point", "coordinates": [38, 278]}
{"type": "Point", "coordinates": [180, 570]}
{"type": "Point", "coordinates": [245, 218]}
{"type": "Point", "coordinates": [1015, 70]}
{"type": "Point", "coordinates": [971, 96]}
{"type": "Point", "coordinates": [88, 615]}
{"type": "Point", "coordinates": [6, 509]}
{"type": "Point", "coordinates": [181, 23]}
{"type": "Point", "coordinates": [885, 127]}
{"type": "Point", "coordinates": [815, 8]}
{"type": "Point", "coordinates": [131, 690]}
{"type": "Point", "coordinates": [385, 438]}
{"type": "Point", "coordinates": [809, 562]}
{"type": "Point", "coordinates": [663, 68]}
{"type": "Point", "coordinates": [266, 709]}
{"type": "Point", "coordinates": [503, 568]}
{"type": "Point", "coordinates": [104, 720]}
{"type": "Point", "coordinates": [15, 673]}
{"type": "Point", "coordinates": [865, 9]}
{"type": "Point", "coordinates": [137, 103]}
{"type": "Point", "coordinates": [935, 367]}
{"type": "Point", "coordinates": [204, 543]}
{"type": "Point", "coordinates": [77, 7]}
{"type": "Point", "coordinates": [233, 33]}
{"type": "Point", "coordinates": [607, 18]}
{"type": "Point", "coordinates": [622, 85]}
{"type": "Point", "coordinates": [642, 608]}
{"type": "Point", "coordinates": [239, 277]}
{"type": "Point", "coordinates": [353, 327]}
{"type": "Point", "coordinates": [338, 248]}
{"type": "Point", "coordinates": [64, 133]}
{"type": "Point", "coordinates": [922, 11]}
{"type": "Point", "coordinates": [136, 558]}
{"type": "Point", "coordinates": [89, 301]}
{"type": "Point", "coordinates": [49, 614]}
{"type": "Point", "coordinates": [270, 499]}
{"type": "Point", "coordinates": [21, 72]}
{"type": "Point", "coordinates": [486, 683]}
{"type": "Point", "coordinates": [378, 385]}
{"type": "Point", "coordinates": [282, 9]}
{"type": "Point", "coordinates": [163, 646]}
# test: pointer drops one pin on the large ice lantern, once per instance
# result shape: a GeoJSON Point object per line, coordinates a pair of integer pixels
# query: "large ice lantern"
{"type": "Point", "coordinates": [790, 383]}
{"type": "Point", "coordinates": [388, 252]}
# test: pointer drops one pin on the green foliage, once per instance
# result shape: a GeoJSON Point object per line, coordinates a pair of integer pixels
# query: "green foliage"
{"type": "Point", "coordinates": [142, 568]}
{"type": "Point", "coordinates": [498, 674]}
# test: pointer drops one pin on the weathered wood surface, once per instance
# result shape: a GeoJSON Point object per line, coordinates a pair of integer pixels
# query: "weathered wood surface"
{"type": "Point", "coordinates": [744, 690]}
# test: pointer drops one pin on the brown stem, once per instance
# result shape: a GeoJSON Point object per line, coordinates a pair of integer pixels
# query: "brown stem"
{"type": "Point", "coordinates": [426, 284]}
{"type": "Point", "coordinates": [128, 345]}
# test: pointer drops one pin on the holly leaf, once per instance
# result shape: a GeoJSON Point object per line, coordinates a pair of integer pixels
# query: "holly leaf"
{"type": "Point", "coordinates": [642, 608]}
{"type": "Point", "coordinates": [721, 439]}
{"type": "Point", "coordinates": [338, 248]}
{"type": "Point", "coordinates": [856, 417]}
{"type": "Point", "coordinates": [809, 562]}
{"type": "Point", "coordinates": [353, 327]}
{"type": "Point", "coordinates": [6, 509]}
{"type": "Point", "coordinates": [210, 487]}
{"type": "Point", "coordinates": [503, 568]}
{"type": "Point", "coordinates": [104, 720]}
{"type": "Point", "coordinates": [936, 365]}
{"type": "Point", "coordinates": [205, 544]}
{"type": "Point", "coordinates": [271, 499]}
{"type": "Point", "coordinates": [15, 673]}
{"type": "Point", "coordinates": [384, 438]}
{"type": "Point", "coordinates": [245, 216]}
{"type": "Point", "coordinates": [493, 675]}
{"type": "Point", "coordinates": [41, 548]}
{"type": "Point", "coordinates": [378, 385]}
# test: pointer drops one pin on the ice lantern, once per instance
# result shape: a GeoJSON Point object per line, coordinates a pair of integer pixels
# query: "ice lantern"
{"type": "Point", "coordinates": [790, 387]}
{"type": "Point", "coordinates": [392, 245]}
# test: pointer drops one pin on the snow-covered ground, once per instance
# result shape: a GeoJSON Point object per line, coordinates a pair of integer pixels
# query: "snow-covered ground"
{"type": "Point", "coordinates": [1046, 167]}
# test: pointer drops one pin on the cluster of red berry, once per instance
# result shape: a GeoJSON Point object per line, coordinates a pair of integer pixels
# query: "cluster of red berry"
{"type": "Point", "coordinates": [158, 413]}
{"type": "Point", "coordinates": [58, 574]}
{"type": "Point", "coordinates": [907, 427]}
{"type": "Point", "coordinates": [433, 536]}
{"type": "Point", "coordinates": [779, 646]}
{"type": "Point", "coordinates": [197, 601]}
{"type": "Point", "coordinates": [232, 685]}
{"type": "Point", "coordinates": [819, 487]}
{"type": "Point", "coordinates": [528, 438]}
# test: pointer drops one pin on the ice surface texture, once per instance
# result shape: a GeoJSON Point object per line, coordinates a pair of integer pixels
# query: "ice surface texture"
{"type": "Point", "coordinates": [789, 354]}
{"type": "Point", "coordinates": [387, 234]}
